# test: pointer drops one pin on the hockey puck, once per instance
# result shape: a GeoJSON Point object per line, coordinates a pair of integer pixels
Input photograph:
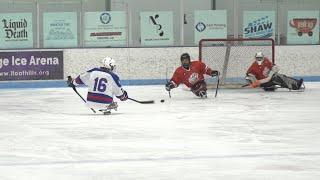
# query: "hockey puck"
{"type": "Point", "coordinates": [162, 100]}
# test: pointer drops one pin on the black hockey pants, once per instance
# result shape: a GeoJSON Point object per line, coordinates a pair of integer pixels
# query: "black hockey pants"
{"type": "Point", "coordinates": [283, 81]}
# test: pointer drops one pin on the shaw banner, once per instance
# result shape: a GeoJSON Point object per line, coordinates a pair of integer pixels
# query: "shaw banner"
{"type": "Point", "coordinates": [303, 27]}
{"type": "Point", "coordinates": [210, 24]}
{"type": "Point", "coordinates": [156, 28]}
{"type": "Point", "coordinates": [16, 30]}
{"type": "Point", "coordinates": [259, 24]}
{"type": "Point", "coordinates": [104, 29]}
{"type": "Point", "coordinates": [31, 65]}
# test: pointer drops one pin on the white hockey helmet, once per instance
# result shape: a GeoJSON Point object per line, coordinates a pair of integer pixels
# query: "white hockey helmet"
{"type": "Point", "coordinates": [108, 63]}
{"type": "Point", "coordinates": [259, 55]}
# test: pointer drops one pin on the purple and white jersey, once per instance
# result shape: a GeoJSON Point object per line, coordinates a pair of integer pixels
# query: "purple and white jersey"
{"type": "Point", "coordinates": [102, 86]}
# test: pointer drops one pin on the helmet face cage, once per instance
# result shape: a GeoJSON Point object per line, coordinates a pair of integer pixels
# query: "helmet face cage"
{"type": "Point", "coordinates": [259, 57]}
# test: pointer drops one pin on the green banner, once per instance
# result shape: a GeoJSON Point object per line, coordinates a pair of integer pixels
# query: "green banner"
{"type": "Point", "coordinates": [259, 24]}
{"type": "Point", "coordinates": [60, 30]}
{"type": "Point", "coordinates": [16, 30]}
{"type": "Point", "coordinates": [303, 27]}
{"type": "Point", "coordinates": [210, 24]}
{"type": "Point", "coordinates": [156, 28]}
{"type": "Point", "coordinates": [105, 29]}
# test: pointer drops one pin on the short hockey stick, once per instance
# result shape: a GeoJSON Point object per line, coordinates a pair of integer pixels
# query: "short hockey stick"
{"type": "Point", "coordinates": [169, 92]}
{"type": "Point", "coordinates": [75, 90]}
{"type": "Point", "coordinates": [218, 82]}
{"type": "Point", "coordinates": [168, 81]}
{"type": "Point", "coordinates": [142, 102]}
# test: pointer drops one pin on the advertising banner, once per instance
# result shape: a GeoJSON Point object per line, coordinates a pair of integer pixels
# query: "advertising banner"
{"type": "Point", "coordinates": [31, 65]}
{"type": "Point", "coordinates": [60, 30]}
{"type": "Point", "coordinates": [16, 30]}
{"type": "Point", "coordinates": [259, 24]}
{"type": "Point", "coordinates": [105, 29]}
{"type": "Point", "coordinates": [156, 28]}
{"type": "Point", "coordinates": [210, 24]}
{"type": "Point", "coordinates": [303, 27]}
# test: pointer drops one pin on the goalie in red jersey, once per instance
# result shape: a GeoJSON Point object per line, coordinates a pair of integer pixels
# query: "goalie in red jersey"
{"type": "Point", "coordinates": [191, 73]}
{"type": "Point", "coordinates": [264, 74]}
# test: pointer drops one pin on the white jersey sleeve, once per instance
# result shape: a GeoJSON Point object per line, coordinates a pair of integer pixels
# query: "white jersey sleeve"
{"type": "Point", "coordinates": [82, 79]}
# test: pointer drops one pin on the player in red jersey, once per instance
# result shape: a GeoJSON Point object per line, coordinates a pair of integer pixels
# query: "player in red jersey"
{"type": "Point", "coordinates": [191, 73]}
{"type": "Point", "coordinates": [264, 74]}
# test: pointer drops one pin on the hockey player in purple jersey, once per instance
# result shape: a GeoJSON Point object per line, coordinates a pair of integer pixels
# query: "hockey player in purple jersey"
{"type": "Point", "coordinates": [103, 84]}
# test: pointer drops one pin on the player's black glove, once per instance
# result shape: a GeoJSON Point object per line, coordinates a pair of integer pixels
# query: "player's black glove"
{"type": "Point", "coordinates": [169, 86]}
{"type": "Point", "coordinates": [214, 73]}
{"type": "Point", "coordinates": [69, 82]}
{"type": "Point", "coordinates": [124, 96]}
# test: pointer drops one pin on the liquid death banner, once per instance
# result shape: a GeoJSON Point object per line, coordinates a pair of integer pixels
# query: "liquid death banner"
{"type": "Point", "coordinates": [31, 65]}
{"type": "Point", "coordinates": [16, 30]}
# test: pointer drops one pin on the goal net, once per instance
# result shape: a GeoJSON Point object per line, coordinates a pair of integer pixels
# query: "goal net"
{"type": "Point", "coordinates": [232, 57]}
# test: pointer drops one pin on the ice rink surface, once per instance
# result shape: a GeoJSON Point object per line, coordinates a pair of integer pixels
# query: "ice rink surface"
{"type": "Point", "coordinates": [49, 134]}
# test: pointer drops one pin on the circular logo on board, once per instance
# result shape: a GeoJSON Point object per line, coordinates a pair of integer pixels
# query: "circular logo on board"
{"type": "Point", "coordinates": [200, 26]}
{"type": "Point", "coordinates": [105, 18]}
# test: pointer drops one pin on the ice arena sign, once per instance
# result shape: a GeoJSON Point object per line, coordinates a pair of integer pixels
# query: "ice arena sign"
{"type": "Point", "coordinates": [31, 65]}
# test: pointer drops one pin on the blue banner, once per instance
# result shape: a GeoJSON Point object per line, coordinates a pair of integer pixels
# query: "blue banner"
{"type": "Point", "coordinates": [31, 65]}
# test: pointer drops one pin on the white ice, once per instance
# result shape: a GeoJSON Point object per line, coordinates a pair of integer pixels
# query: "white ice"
{"type": "Point", "coordinates": [49, 134]}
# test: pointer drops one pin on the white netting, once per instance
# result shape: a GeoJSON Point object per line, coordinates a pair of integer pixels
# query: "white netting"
{"type": "Point", "coordinates": [232, 57]}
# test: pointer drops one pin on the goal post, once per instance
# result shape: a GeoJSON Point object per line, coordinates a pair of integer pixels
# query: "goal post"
{"type": "Point", "coordinates": [232, 57]}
